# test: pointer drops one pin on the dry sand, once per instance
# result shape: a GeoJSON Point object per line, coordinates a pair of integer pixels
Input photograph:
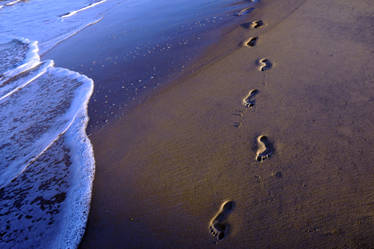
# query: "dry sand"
{"type": "Point", "coordinates": [164, 170]}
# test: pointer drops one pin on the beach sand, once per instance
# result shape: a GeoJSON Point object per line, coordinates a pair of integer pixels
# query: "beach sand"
{"type": "Point", "coordinates": [164, 170]}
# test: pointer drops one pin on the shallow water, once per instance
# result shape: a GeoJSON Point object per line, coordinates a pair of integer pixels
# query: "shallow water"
{"type": "Point", "coordinates": [47, 163]}
{"type": "Point", "coordinates": [140, 45]}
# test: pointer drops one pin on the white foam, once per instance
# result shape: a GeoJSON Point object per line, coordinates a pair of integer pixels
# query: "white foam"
{"type": "Point", "coordinates": [83, 169]}
{"type": "Point", "coordinates": [12, 2]}
{"type": "Point", "coordinates": [46, 159]}
{"type": "Point", "coordinates": [11, 86]}
{"type": "Point", "coordinates": [40, 20]}
{"type": "Point", "coordinates": [47, 206]}
{"type": "Point", "coordinates": [28, 58]}
{"type": "Point", "coordinates": [32, 118]}
{"type": "Point", "coordinates": [45, 201]}
{"type": "Point", "coordinates": [71, 13]}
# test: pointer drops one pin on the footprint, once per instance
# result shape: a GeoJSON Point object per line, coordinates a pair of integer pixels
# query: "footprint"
{"type": "Point", "coordinates": [249, 101]}
{"type": "Point", "coordinates": [239, 114]}
{"type": "Point", "coordinates": [256, 24]}
{"type": "Point", "coordinates": [217, 226]}
{"type": "Point", "coordinates": [265, 148]}
{"type": "Point", "coordinates": [279, 174]}
{"type": "Point", "coordinates": [237, 124]}
{"type": "Point", "coordinates": [264, 64]}
{"type": "Point", "coordinates": [250, 42]}
{"type": "Point", "coordinates": [253, 25]}
{"type": "Point", "coordinates": [245, 11]}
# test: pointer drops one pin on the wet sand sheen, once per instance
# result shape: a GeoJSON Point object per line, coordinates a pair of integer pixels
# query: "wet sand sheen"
{"type": "Point", "coordinates": [165, 169]}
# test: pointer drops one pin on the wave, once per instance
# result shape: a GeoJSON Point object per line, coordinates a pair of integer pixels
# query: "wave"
{"type": "Point", "coordinates": [9, 3]}
{"type": "Point", "coordinates": [46, 159]}
{"type": "Point", "coordinates": [21, 80]}
{"type": "Point", "coordinates": [47, 45]}
{"type": "Point", "coordinates": [47, 163]}
{"type": "Point", "coordinates": [17, 56]}
{"type": "Point", "coordinates": [12, 2]}
{"type": "Point", "coordinates": [40, 20]}
{"type": "Point", "coordinates": [71, 13]}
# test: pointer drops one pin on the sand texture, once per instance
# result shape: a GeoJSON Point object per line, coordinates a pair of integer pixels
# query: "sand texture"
{"type": "Point", "coordinates": [270, 147]}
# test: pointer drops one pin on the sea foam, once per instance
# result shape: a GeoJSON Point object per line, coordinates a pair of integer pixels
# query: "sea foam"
{"type": "Point", "coordinates": [46, 159]}
{"type": "Point", "coordinates": [17, 56]}
{"type": "Point", "coordinates": [47, 165]}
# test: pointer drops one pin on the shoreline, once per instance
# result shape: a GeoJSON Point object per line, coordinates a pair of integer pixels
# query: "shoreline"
{"type": "Point", "coordinates": [124, 76]}
{"type": "Point", "coordinates": [164, 170]}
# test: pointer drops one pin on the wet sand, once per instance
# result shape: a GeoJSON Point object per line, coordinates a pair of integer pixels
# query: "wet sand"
{"type": "Point", "coordinates": [164, 172]}
{"type": "Point", "coordinates": [129, 56]}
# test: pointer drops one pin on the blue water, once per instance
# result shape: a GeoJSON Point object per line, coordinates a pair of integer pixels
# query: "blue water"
{"type": "Point", "coordinates": [46, 158]}
{"type": "Point", "coordinates": [140, 45]}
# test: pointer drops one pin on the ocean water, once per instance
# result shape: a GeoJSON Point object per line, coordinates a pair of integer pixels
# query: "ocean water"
{"type": "Point", "coordinates": [140, 45]}
{"type": "Point", "coordinates": [46, 159]}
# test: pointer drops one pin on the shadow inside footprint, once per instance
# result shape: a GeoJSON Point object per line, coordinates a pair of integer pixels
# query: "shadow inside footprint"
{"type": "Point", "coordinates": [249, 101]}
{"type": "Point", "coordinates": [237, 124]}
{"type": "Point", "coordinates": [265, 148]}
{"type": "Point", "coordinates": [217, 226]}
{"type": "Point", "coordinates": [264, 64]}
{"type": "Point", "coordinates": [256, 24]}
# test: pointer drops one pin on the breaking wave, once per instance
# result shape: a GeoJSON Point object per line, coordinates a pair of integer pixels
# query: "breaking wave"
{"type": "Point", "coordinates": [46, 159]}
